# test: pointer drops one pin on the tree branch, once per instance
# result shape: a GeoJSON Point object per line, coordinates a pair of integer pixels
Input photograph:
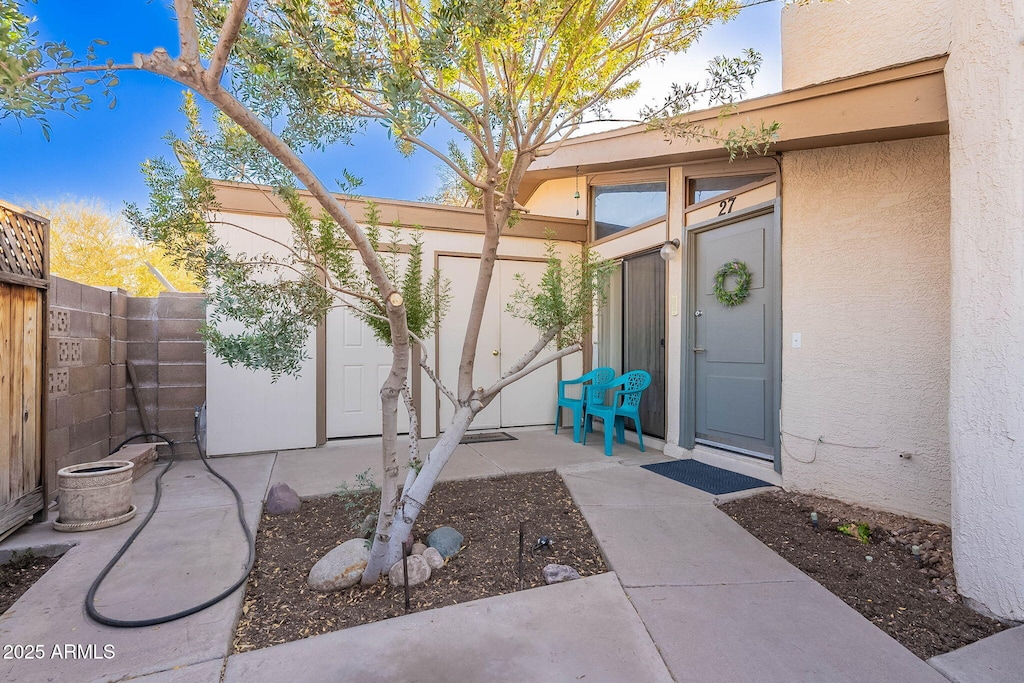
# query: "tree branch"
{"type": "Point", "coordinates": [452, 121]}
{"type": "Point", "coordinates": [414, 424]}
{"type": "Point", "coordinates": [408, 137]}
{"type": "Point", "coordinates": [446, 159]}
{"type": "Point", "coordinates": [532, 353]}
{"type": "Point", "coordinates": [486, 96]}
{"type": "Point", "coordinates": [501, 384]}
{"type": "Point", "coordinates": [90, 68]}
{"type": "Point", "coordinates": [444, 390]}
{"type": "Point", "coordinates": [225, 41]}
{"type": "Point", "coordinates": [212, 221]}
{"type": "Point", "coordinates": [188, 34]}
{"type": "Point", "coordinates": [485, 273]}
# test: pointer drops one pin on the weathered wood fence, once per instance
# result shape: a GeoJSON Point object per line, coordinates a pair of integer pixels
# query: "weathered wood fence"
{"type": "Point", "coordinates": [24, 281]}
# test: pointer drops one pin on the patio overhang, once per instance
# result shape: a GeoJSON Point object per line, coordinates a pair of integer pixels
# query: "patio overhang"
{"type": "Point", "coordinates": [245, 198]}
{"type": "Point", "coordinates": [901, 102]}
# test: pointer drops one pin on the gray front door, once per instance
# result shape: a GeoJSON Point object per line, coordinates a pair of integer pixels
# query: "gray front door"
{"type": "Point", "coordinates": [734, 348]}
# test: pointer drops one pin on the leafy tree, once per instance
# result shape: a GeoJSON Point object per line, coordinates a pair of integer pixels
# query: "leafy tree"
{"type": "Point", "coordinates": [454, 189]}
{"type": "Point", "coordinates": [513, 78]}
{"type": "Point", "coordinates": [88, 244]}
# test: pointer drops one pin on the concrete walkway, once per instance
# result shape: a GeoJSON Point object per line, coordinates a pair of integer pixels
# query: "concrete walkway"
{"type": "Point", "coordinates": [996, 659]}
{"type": "Point", "coordinates": [191, 550]}
{"type": "Point", "coordinates": [582, 630]}
{"type": "Point", "coordinates": [693, 596]}
{"type": "Point", "coordinates": [720, 605]}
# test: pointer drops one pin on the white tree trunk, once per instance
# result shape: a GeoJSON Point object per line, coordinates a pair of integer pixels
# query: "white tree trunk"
{"type": "Point", "coordinates": [383, 556]}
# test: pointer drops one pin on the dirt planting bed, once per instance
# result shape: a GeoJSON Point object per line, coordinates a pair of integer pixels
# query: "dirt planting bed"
{"type": "Point", "coordinates": [18, 575]}
{"type": "Point", "coordinates": [913, 600]}
{"type": "Point", "coordinates": [280, 607]}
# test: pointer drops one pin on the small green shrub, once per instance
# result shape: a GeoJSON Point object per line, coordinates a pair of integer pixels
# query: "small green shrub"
{"type": "Point", "coordinates": [862, 532]}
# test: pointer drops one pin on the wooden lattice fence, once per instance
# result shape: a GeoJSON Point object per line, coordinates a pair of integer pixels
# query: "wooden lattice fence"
{"type": "Point", "coordinates": [24, 282]}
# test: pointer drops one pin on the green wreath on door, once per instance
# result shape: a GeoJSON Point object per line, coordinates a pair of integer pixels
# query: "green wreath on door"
{"type": "Point", "coordinates": [734, 297]}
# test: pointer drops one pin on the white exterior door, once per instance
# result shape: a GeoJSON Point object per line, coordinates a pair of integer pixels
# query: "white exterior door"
{"type": "Point", "coordinates": [462, 273]}
{"type": "Point", "coordinates": [357, 365]}
{"type": "Point", "coordinates": [531, 400]}
{"type": "Point", "coordinates": [503, 340]}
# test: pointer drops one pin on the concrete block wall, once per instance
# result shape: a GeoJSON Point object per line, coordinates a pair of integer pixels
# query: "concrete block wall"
{"type": "Point", "coordinates": [94, 334]}
{"type": "Point", "coordinates": [181, 365]}
{"type": "Point", "coordinates": [141, 352]}
{"type": "Point", "coordinates": [78, 414]}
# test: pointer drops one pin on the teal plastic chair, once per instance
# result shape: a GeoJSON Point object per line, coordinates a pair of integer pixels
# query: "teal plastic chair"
{"type": "Point", "coordinates": [624, 403]}
{"type": "Point", "coordinates": [597, 376]}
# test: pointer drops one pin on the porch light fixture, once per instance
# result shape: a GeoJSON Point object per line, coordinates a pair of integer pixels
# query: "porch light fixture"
{"type": "Point", "coordinates": [669, 250]}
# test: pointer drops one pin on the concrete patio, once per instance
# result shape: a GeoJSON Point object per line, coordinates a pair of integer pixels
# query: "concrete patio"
{"type": "Point", "coordinates": [691, 597]}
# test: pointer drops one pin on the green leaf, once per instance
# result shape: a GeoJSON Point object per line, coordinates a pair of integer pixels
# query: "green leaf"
{"type": "Point", "coordinates": [862, 532]}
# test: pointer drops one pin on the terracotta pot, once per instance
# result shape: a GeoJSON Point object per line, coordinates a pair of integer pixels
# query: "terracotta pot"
{"type": "Point", "coordinates": [94, 495]}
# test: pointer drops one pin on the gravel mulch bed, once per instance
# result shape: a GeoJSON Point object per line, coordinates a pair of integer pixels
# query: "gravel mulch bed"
{"type": "Point", "coordinates": [279, 607]}
{"type": "Point", "coordinates": [18, 575]}
{"type": "Point", "coordinates": [914, 601]}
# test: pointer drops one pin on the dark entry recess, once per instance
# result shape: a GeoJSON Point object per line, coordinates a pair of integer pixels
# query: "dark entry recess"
{"type": "Point", "coordinates": [643, 333]}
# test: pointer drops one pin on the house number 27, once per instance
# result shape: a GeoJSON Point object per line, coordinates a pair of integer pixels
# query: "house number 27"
{"type": "Point", "coordinates": [725, 206]}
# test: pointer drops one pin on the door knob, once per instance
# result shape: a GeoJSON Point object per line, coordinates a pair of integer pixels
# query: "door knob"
{"type": "Point", "coordinates": [494, 352]}
{"type": "Point", "coordinates": [698, 349]}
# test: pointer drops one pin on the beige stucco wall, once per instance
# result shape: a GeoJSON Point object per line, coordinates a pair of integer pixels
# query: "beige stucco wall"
{"type": "Point", "coordinates": [865, 254]}
{"type": "Point", "coordinates": [985, 86]}
{"type": "Point", "coordinates": [248, 412]}
{"type": "Point", "coordinates": [824, 41]}
{"type": "Point", "coordinates": [556, 198]}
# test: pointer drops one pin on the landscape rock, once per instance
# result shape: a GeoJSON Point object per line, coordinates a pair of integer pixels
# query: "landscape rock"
{"type": "Point", "coordinates": [447, 541]}
{"type": "Point", "coordinates": [341, 567]}
{"type": "Point", "coordinates": [433, 558]}
{"type": "Point", "coordinates": [419, 571]}
{"type": "Point", "coordinates": [418, 548]}
{"type": "Point", "coordinates": [557, 573]}
{"type": "Point", "coordinates": [282, 500]}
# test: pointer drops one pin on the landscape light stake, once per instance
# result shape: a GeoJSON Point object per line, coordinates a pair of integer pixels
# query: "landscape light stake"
{"type": "Point", "coordinates": [814, 520]}
{"type": "Point", "coordinates": [521, 525]}
{"type": "Point", "coordinates": [543, 543]}
{"type": "Point", "coordinates": [916, 552]}
{"type": "Point", "coordinates": [405, 573]}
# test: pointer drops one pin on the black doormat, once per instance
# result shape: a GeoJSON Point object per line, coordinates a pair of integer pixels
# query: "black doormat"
{"type": "Point", "coordinates": [714, 480]}
{"type": "Point", "coordinates": [485, 437]}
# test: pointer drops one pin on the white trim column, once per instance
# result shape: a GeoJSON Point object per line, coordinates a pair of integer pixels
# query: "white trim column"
{"type": "Point", "coordinates": [675, 310]}
{"type": "Point", "coordinates": [985, 89]}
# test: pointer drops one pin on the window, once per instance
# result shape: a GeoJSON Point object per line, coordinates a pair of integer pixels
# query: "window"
{"type": "Point", "coordinates": [621, 207]}
{"type": "Point", "coordinates": [702, 189]}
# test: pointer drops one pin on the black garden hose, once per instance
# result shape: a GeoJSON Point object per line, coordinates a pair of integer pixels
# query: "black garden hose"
{"type": "Point", "coordinates": [90, 597]}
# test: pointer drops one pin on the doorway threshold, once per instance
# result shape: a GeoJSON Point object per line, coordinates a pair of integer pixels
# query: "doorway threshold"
{"type": "Point", "coordinates": [734, 449]}
{"type": "Point", "coordinates": [735, 462]}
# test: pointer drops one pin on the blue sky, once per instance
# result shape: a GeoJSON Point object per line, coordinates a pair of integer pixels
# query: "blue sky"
{"type": "Point", "coordinates": [96, 155]}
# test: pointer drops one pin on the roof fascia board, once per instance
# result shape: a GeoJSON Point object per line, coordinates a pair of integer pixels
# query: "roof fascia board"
{"type": "Point", "coordinates": [908, 100]}
{"type": "Point", "coordinates": [244, 198]}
